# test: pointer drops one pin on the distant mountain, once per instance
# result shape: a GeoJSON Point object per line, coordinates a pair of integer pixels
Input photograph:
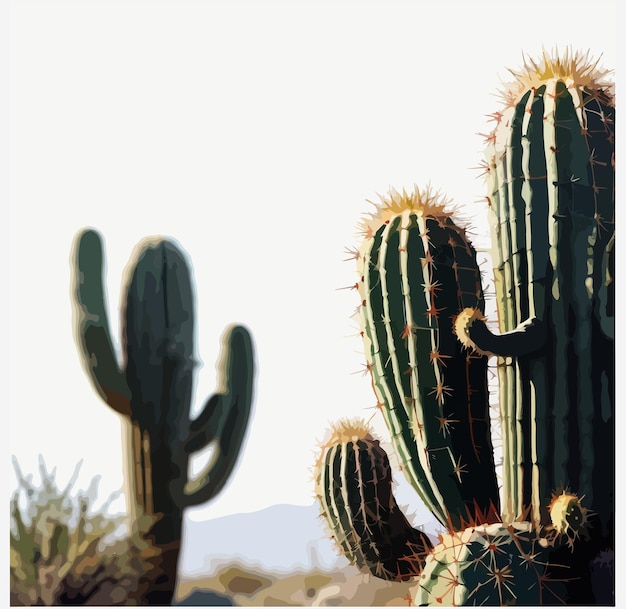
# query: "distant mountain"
{"type": "Point", "coordinates": [281, 538]}
{"type": "Point", "coordinates": [277, 538]}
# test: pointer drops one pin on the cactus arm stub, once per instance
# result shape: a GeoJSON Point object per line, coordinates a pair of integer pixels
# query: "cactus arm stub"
{"type": "Point", "coordinates": [473, 333]}
{"type": "Point", "coordinates": [224, 419]}
{"type": "Point", "coordinates": [91, 325]}
{"type": "Point", "coordinates": [354, 488]}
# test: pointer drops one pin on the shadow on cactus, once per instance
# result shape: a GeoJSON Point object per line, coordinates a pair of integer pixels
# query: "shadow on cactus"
{"type": "Point", "coordinates": [63, 551]}
{"type": "Point", "coordinates": [152, 389]}
{"type": "Point", "coordinates": [551, 194]}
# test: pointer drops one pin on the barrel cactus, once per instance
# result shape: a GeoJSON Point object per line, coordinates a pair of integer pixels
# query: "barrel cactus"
{"type": "Point", "coordinates": [152, 390]}
{"type": "Point", "coordinates": [492, 564]}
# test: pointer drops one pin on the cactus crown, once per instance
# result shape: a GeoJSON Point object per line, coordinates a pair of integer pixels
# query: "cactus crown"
{"type": "Point", "coordinates": [348, 430]}
{"type": "Point", "coordinates": [575, 69]}
{"type": "Point", "coordinates": [578, 72]}
{"type": "Point", "coordinates": [425, 202]}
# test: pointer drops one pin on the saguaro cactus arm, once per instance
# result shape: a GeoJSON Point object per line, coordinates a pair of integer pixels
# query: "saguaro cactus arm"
{"type": "Point", "coordinates": [92, 325]}
{"type": "Point", "coordinates": [473, 333]}
{"type": "Point", "coordinates": [224, 419]}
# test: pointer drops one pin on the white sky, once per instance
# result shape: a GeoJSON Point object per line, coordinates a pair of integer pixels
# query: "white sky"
{"type": "Point", "coordinates": [253, 133]}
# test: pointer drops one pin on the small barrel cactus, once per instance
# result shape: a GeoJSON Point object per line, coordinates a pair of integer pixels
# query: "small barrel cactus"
{"type": "Point", "coordinates": [417, 271]}
{"type": "Point", "coordinates": [354, 488]}
{"type": "Point", "coordinates": [494, 565]}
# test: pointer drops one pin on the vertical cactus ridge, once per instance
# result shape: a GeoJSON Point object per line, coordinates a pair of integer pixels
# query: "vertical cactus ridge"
{"type": "Point", "coordinates": [417, 271]}
{"type": "Point", "coordinates": [550, 181]}
{"type": "Point", "coordinates": [354, 489]}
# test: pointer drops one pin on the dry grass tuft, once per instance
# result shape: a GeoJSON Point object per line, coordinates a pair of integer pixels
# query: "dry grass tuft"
{"type": "Point", "coordinates": [62, 551]}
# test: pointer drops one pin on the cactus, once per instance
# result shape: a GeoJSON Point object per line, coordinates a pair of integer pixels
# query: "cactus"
{"type": "Point", "coordinates": [354, 488]}
{"type": "Point", "coordinates": [490, 565]}
{"type": "Point", "coordinates": [551, 177]}
{"type": "Point", "coordinates": [417, 271]}
{"type": "Point", "coordinates": [152, 390]}
{"type": "Point", "coordinates": [551, 183]}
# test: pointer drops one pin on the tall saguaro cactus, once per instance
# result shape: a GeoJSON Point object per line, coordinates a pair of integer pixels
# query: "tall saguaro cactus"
{"type": "Point", "coordinates": [550, 165]}
{"type": "Point", "coordinates": [152, 388]}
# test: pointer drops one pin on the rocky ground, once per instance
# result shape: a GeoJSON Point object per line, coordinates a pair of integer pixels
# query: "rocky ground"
{"type": "Point", "coordinates": [234, 585]}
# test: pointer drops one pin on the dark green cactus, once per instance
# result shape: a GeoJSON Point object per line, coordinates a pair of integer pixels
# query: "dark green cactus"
{"type": "Point", "coordinates": [551, 181]}
{"type": "Point", "coordinates": [417, 271]}
{"type": "Point", "coordinates": [493, 565]}
{"type": "Point", "coordinates": [551, 174]}
{"type": "Point", "coordinates": [354, 488]}
{"type": "Point", "coordinates": [153, 388]}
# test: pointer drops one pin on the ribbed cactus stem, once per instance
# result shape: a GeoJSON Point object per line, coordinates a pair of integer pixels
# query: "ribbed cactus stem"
{"type": "Point", "coordinates": [354, 489]}
{"type": "Point", "coordinates": [417, 271]}
{"type": "Point", "coordinates": [551, 183]}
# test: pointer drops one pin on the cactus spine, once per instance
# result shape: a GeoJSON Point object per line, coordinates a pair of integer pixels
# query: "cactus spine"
{"type": "Point", "coordinates": [551, 184]}
{"type": "Point", "coordinates": [152, 390]}
{"type": "Point", "coordinates": [354, 489]}
{"type": "Point", "coordinates": [417, 271]}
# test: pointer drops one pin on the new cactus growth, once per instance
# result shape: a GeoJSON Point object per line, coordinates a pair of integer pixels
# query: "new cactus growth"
{"type": "Point", "coordinates": [152, 390]}
{"type": "Point", "coordinates": [569, 517]}
{"type": "Point", "coordinates": [551, 192]}
{"type": "Point", "coordinates": [489, 565]}
{"type": "Point", "coordinates": [354, 488]}
{"type": "Point", "coordinates": [417, 271]}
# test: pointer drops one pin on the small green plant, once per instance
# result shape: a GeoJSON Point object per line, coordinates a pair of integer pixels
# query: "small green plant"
{"type": "Point", "coordinates": [63, 551]}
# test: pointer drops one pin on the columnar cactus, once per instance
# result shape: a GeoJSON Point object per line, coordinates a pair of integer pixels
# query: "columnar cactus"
{"type": "Point", "coordinates": [417, 271]}
{"type": "Point", "coordinates": [152, 389]}
{"type": "Point", "coordinates": [353, 484]}
{"type": "Point", "coordinates": [551, 184]}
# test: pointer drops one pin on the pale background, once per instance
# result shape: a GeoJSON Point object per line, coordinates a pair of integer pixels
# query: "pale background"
{"type": "Point", "coordinates": [253, 133]}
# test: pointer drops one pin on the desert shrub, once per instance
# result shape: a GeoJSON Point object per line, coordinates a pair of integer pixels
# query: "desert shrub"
{"type": "Point", "coordinates": [63, 551]}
